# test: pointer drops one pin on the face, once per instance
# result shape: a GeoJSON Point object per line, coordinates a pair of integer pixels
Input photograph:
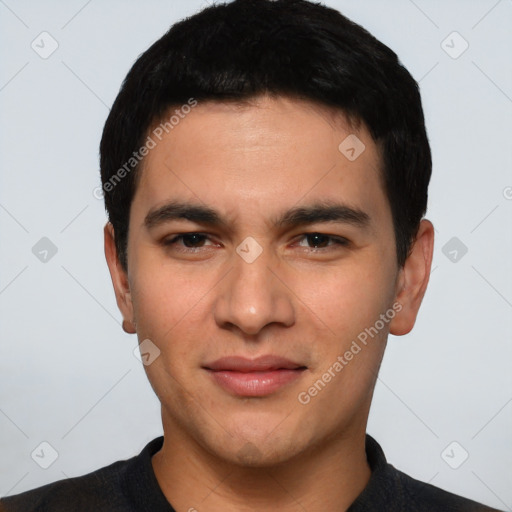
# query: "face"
{"type": "Point", "coordinates": [262, 265]}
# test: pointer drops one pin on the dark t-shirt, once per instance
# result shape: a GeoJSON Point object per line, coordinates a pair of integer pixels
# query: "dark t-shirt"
{"type": "Point", "coordinates": [131, 485]}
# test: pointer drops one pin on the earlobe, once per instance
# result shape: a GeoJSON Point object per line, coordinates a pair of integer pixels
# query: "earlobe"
{"type": "Point", "coordinates": [119, 280]}
{"type": "Point", "coordinates": [413, 280]}
{"type": "Point", "coordinates": [129, 327]}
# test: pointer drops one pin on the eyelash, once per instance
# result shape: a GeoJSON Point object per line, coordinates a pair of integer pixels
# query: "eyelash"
{"type": "Point", "coordinates": [337, 241]}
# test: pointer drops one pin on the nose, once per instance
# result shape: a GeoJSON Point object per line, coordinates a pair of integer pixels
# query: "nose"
{"type": "Point", "coordinates": [252, 296]}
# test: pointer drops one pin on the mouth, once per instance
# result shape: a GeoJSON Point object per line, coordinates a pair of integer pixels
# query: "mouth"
{"type": "Point", "coordinates": [258, 377]}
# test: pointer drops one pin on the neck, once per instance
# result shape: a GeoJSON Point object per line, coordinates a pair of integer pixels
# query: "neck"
{"type": "Point", "coordinates": [327, 477]}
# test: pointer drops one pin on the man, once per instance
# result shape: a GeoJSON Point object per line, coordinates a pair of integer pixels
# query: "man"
{"type": "Point", "coordinates": [265, 168]}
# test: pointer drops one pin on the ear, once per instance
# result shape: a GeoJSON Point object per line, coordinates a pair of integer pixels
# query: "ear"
{"type": "Point", "coordinates": [413, 279]}
{"type": "Point", "coordinates": [119, 280]}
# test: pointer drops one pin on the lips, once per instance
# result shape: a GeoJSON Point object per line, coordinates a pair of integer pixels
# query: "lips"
{"type": "Point", "coordinates": [258, 377]}
{"type": "Point", "coordinates": [260, 364]}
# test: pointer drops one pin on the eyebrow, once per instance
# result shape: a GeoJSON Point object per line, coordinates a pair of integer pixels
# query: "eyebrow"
{"type": "Point", "coordinates": [179, 210]}
{"type": "Point", "coordinates": [322, 212]}
{"type": "Point", "coordinates": [297, 216]}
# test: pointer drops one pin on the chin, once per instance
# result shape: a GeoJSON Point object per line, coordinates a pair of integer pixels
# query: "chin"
{"type": "Point", "coordinates": [250, 448]}
{"type": "Point", "coordinates": [259, 456]}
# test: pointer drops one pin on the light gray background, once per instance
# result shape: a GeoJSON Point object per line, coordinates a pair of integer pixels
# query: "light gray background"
{"type": "Point", "coordinates": [68, 374]}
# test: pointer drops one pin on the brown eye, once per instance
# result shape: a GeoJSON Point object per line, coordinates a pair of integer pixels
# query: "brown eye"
{"type": "Point", "coordinates": [188, 240]}
{"type": "Point", "coordinates": [323, 241]}
{"type": "Point", "coordinates": [318, 239]}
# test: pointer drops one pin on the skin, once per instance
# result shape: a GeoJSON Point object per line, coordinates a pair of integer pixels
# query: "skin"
{"type": "Point", "coordinates": [306, 302]}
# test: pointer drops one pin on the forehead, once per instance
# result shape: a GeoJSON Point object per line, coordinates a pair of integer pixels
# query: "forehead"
{"type": "Point", "coordinates": [247, 157]}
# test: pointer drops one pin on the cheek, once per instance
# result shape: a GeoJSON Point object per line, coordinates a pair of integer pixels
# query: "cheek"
{"type": "Point", "coordinates": [166, 298]}
{"type": "Point", "coordinates": [344, 301]}
{"type": "Point", "coordinates": [169, 312]}
{"type": "Point", "coordinates": [348, 350]}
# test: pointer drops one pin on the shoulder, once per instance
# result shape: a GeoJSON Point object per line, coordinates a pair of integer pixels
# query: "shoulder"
{"type": "Point", "coordinates": [391, 490]}
{"type": "Point", "coordinates": [114, 488]}
{"type": "Point", "coordinates": [100, 489]}
{"type": "Point", "coordinates": [423, 497]}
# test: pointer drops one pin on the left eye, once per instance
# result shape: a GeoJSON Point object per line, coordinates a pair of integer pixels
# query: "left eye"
{"type": "Point", "coordinates": [189, 240]}
{"type": "Point", "coordinates": [319, 239]}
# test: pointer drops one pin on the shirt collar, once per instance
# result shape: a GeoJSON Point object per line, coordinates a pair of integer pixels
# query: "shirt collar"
{"type": "Point", "coordinates": [383, 486]}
